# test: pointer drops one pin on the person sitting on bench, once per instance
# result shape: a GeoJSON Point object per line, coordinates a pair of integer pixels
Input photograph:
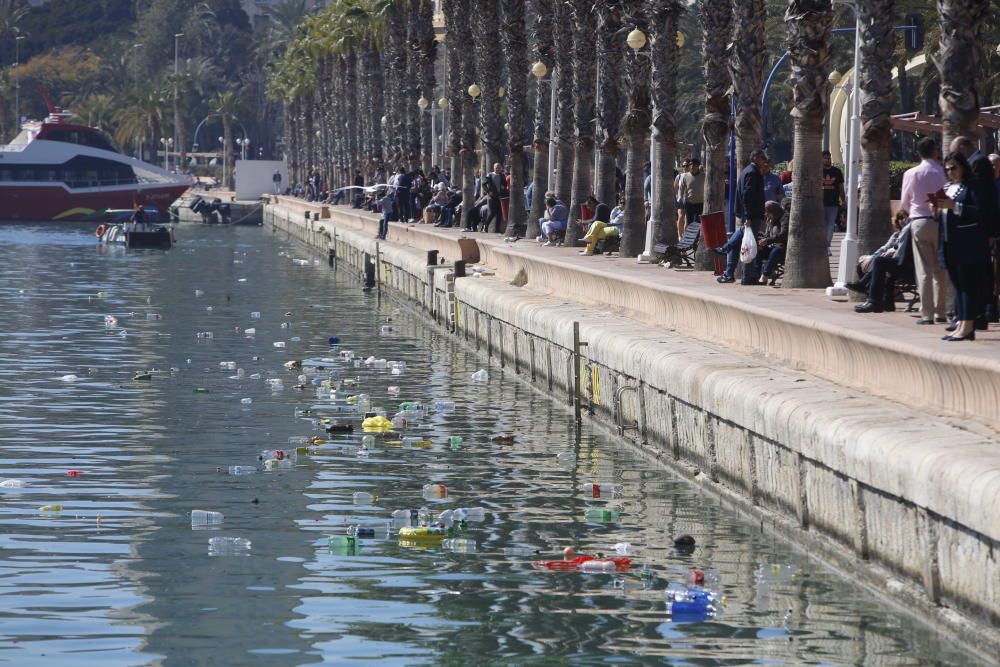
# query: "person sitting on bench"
{"type": "Point", "coordinates": [557, 215]}
{"type": "Point", "coordinates": [887, 264]}
{"type": "Point", "coordinates": [771, 246]}
{"type": "Point", "coordinates": [600, 229]}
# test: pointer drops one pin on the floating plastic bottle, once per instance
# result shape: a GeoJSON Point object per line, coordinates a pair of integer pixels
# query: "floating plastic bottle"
{"type": "Point", "coordinates": [416, 441]}
{"type": "Point", "coordinates": [343, 545]}
{"type": "Point", "coordinates": [446, 518]}
{"type": "Point", "coordinates": [414, 406]}
{"type": "Point", "coordinates": [434, 491]}
{"type": "Point", "coordinates": [598, 566]}
{"type": "Point", "coordinates": [423, 534]}
{"type": "Point", "coordinates": [601, 515]}
{"type": "Point", "coordinates": [623, 549]}
{"type": "Point", "coordinates": [198, 293]}
{"type": "Point", "coordinates": [392, 390]}
{"type": "Point", "coordinates": [379, 531]}
{"type": "Point", "coordinates": [386, 329]}
{"type": "Point", "coordinates": [255, 315]}
{"type": "Point", "coordinates": [379, 363]}
{"type": "Point", "coordinates": [13, 484]}
{"type": "Point", "coordinates": [601, 490]}
{"type": "Point", "coordinates": [250, 332]}
{"type": "Point", "coordinates": [481, 376]}
{"type": "Point", "coordinates": [405, 518]}
{"type": "Point", "coordinates": [364, 498]}
{"type": "Point", "coordinates": [228, 365]}
{"type": "Point", "coordinates": [368, 441]}
{"type": "Point", "coordinates": [279, 343]}
{"type": "Point", "coordinates": [69, 378]}
{"type": "Point", "coordinates": [50, 509]}
{"type": "Point", "coordinates": [243, 470]}
{"type": "Point", "coordinates": [208, 335]}
{"type": "Point", "coordinates": [455, 441]}
{"type": "Point", "coordinates": [200, 390]}
{"type": "Point", "coordinates": [246, 401]}
{"type": "Point", "coordinates": [205, 518]}
{"type": "Point", "coordinates": [229, 546]}
{"type": "Point", "coordinates": [475, 514]}
{"type": "Point", "coordinates": [444, 406]}
{"type": "Point", "coordinates": [462, 545]}
{"type": "Point", "coordinates": [152, 317]}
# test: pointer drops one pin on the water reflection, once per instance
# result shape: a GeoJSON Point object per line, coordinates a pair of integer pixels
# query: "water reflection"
{"type": "Point", "coordinates": [119, 576]}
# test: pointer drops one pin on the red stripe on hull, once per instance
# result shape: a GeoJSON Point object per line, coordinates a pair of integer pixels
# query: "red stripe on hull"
{"type": "Point", "coordinates": [42, 203]}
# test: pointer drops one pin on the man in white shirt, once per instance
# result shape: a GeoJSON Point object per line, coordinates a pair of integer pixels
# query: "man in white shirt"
{"type": "Point", "coordinates": [918, 184]}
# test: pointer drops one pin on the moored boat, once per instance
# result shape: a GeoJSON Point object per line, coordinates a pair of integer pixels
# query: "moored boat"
{"type": "Point", "coordinates": [56, 170]}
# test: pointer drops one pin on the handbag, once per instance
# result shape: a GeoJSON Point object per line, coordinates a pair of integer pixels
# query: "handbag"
{"type": "Point", "coordinates": [748, 249]}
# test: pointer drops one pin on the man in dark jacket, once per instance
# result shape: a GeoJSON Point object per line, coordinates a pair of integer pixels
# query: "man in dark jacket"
{"type": "Point", "coordinates": [750, 210]}
{"type": "Point", "coordinates": [984, 183]}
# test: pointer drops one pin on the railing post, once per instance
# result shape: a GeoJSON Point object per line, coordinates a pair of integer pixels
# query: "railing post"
{"type": "Point", "coordinates": [577, 401]}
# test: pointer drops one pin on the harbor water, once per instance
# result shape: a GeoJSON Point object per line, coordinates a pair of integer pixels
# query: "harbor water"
{"type": "Point", "coordinates": [146, 518]}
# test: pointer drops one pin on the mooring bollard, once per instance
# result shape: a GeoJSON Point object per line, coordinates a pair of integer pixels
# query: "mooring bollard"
{"type": "Point", "coordinates": [459, 268]}
{"type": "Point", "coordinates": [577, 344]}
{"type": "Point", "coordinates": [369, 271]}
{"type": "Point", "coordinates": [432, 257]}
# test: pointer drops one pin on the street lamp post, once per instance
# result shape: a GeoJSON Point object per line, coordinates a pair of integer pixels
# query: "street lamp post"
{"type": "Point", "coordinates": [539, 70]}
{"type": "Point", "coordinates": [225, 161]}
{"type": "Point", "coordinates": [636, 40]}
{"type": "Point", "coordinates": [166, 142]}
{"type": "Point", "coordinates": [17, 84]}
{"type": "Point", "coordinates": [177, 36]}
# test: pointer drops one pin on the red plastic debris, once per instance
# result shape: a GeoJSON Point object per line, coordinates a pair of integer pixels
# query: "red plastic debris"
{"type": "Point", "coordinates": [74, 473]}
{"type": "Point", "coordinates": [622, 564]}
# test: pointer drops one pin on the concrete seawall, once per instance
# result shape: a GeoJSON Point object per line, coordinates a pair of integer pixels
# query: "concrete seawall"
{"type": "Point", "coordinates": [905, 501]}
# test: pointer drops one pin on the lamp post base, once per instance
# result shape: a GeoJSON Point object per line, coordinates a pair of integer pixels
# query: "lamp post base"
{"type": "Point", "coordinates": [645, 258]}
{"type": "Point", "coordinates": [848, 260]}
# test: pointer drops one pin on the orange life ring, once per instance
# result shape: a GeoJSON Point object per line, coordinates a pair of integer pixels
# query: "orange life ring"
{"type": "Point", "coordinates": [100, 231]}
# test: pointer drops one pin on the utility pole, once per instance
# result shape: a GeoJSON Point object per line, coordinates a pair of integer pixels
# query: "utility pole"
{"type": "Point", "coordinates": [177, 36]}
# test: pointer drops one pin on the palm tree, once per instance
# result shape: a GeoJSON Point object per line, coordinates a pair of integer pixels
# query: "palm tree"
{"type": "Point", "coordinates": [460, 31]}
{"type": "Point", "coordinates": [141, 119]}
{"type": "Point", "coordinates": [283, 20]}
{"type": "Point", "coordinates": [398, 107]}
{"type": "Point", "coordinates": [488, 66]}
{"type": "Point", "coordinates": [94, 111]}
{"type": "Point", "coordinates": [564, 130]}
{"type": "Point", "coordinates": [746, 67]}
{"type": "Point", "coordinates": [225, 104]}
{"type": "Point", "coordinates": [808, 23]}
{"type": "Point", "coordinates": [455, 93]}
{"type": "Point", "coordinates": [959, 63]}
{"type": "Point", "coordinates": [543, 53]}
{"type": "Point", "coordinates": [716, 18]}
{"type": "Point", "coordinates": [664, 22]}
{"type": "Point", "coordinates": [584, 76]}
{"type": "Point", "coordinates": [637, 122]}
{"type": "Point", "coordinates": [611, 103]}
{"type": "Point", "coordinates": [877, 96]}
{"type": "Point", "coordinates": [423, 47]}
{"type": "Point", "coordinates": [516, 54]}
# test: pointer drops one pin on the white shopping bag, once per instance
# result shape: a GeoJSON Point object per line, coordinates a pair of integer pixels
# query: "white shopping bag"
{"type": "Point", "coordinates": [748, 250]}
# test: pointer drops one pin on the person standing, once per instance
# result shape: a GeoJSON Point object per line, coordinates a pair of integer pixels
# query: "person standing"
{"type": "Point", "coordinates": [359, 188]}
{"type": "Point", "coordinates": [966, 247]}
{"type": "Point", "coordinates": [983, 180]}
{"type": "Point", "coordinates": [919, 183]}
{"type": "Point", "coordinates": [750, 209]}
{"type": "Point", "coordinates": [691, 193]}
{"type": "Point", "coordinates": [494, 185]}
{"type": "Point", "coordinates": [833, 195]}
{"type": "Point", "coordinates": [276, 180]}
{"type": "Point", "coordinates": [403, 181]}
{"type": "Point", "coordinates": [773, 188]}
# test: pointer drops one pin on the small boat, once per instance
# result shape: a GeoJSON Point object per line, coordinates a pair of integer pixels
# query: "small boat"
{"type": "Point", "coordinates": [135, 234]}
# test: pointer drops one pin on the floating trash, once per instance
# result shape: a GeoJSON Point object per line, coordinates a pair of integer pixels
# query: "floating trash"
{"type": "Point", "coordinates": [200, 390]}
{"type": "Point", "coordinates": [380, 531]}
{"type": "Point", "coordinates": [243, 470]}
{"type": "Point", "coordinates": [423, 534]}
{"type": "Point", "coordinates": [593, 564]}
{"type": "Point", "coordinates": [279, 343]}
{"type": "Point", "coordinates": [376, 423]}
{"type": "Point", "coordinates": [206, 518]}
{"type": "Point", "coordinates": [481, 376]}
{"type": "Point", "coordinates": [343, 545]}
{"type": "Point", "coordinates": [152, 317]}
{"type": "Point", "coordinates": [462, 545]}
{"type": "Point", "coordinates": [206, 335]}
{"type": "Point", "coordinates": [246, 401]}
{"type": "Point", "coordinates": [198, 293]}
{"type": "Point", "coordinates": [50, 509]}
{"type": "Point", "coordinates": [13, 484]}
{"type": "Point", "coordinates": [434, 491]}
{"type": "Point", "coordinates": [229, 546]}
{"type": "Point", "coordinates": [601, 515]}
{"type": "Point", "coordinates": [364, 498]}
{"type": "Point", "coordinates": [601, 490]}
{"type": "Point", "coordinates": [255, 315]}
{"type": "Point", "coordinates": [69, 378]}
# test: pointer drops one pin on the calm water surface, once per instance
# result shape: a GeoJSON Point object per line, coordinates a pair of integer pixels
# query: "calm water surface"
{"type": "Point", "coordinates": [119, 577]}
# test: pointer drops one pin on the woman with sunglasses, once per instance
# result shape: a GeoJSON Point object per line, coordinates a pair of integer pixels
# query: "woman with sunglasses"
{"type": "Point", "coordinates": [965, 245]}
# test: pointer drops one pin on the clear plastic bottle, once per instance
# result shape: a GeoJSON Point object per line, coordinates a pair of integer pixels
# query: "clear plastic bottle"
{"type": "Point", "coordinates": [343, 545]}
{"type": "Point", "coordinates": [481, 376]}
{"type": "Point", "coordinates": [229, 546]}
{"type": "Point", "coordinates": [364, 498]}
{"type": "Point", "coordinates": [470, 514]}
{"type": "Point", "coordinates": [462, 545]}
{"type": "Point", "coordinates": [379, 530]}
{"type": "Point", "coordinates": [446, 518]}
{"type": "Point", "coordinates": [601, 490]}
{"type": "Point", "coordinates": [405, 518]}
{"type": "Point", "coordinates": [434, 491]}
{"type": "Point", "coordinates": [243, 470]}
{"type": "Point", "coordinates": [368, 441]}
{"type": "Point", "coordinates": [13, 484]}
{"type": "Point", "coordinates": [598, 566]}
{"type": "Point", "coordinates": [206, 518]}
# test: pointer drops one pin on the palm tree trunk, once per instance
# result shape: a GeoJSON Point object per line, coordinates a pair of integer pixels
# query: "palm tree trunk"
{"type": "Point", "coordinates": [808, 23]}
{"type": "Point", "coordinates": [456, 93]}
{"type": "Point", "coordinates": [959, 63]}
{"type": "Point", "coordinates": [488, 66]}
{"type": "Point", "coordinates": [877, 96]}
{"type": "Point", "coordinates": [665, 20]}
{"type": "Point", "coordinates": [716, 18]}
{"type": "Point", "coordinates": [516, 51]}
{"type": "Point", "coordinates": [374, 96]}
{"type": "Point", "coordinates": [460, 31]}
{"type": "Point", "coordinates": [584, 79]}
{"type": "Point", "coordinates": [411, 87]}
{"type": "Point", "coordinates": [227, 134]}
{"type": "Point", "coordinates": [637, 122]}
{"type": "Point", "coordinates": [543, 54]}
{"type": "Point", "coordinates": [611, 103]}
{"type": "Point", "coordinates": [426, 60]}
{"type": "Point", "coordinates": [564, 96]}
{"type": "Point", "coordinates": [746, 67]}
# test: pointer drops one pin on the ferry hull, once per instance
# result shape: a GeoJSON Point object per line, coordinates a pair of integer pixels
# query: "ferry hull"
{"type": "Point", "coordinates": [56, 203]}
